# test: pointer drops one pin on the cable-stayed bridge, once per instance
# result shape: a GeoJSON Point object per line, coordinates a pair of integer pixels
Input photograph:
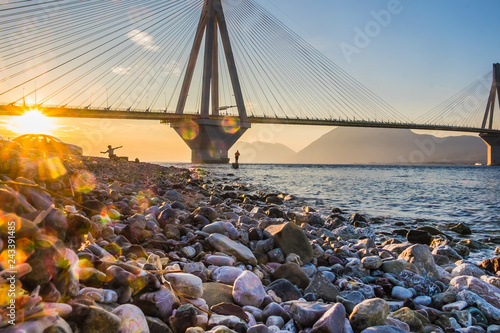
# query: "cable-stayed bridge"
{"type": "Point", "coordinates": [210, 68]}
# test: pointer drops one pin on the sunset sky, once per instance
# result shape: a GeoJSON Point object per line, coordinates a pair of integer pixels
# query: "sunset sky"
{"type": "Point", "coordinates": [422, 53]}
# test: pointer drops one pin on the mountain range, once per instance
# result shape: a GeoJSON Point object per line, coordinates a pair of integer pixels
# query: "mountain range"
{"type": "Point", "coordinates": [344, 145]}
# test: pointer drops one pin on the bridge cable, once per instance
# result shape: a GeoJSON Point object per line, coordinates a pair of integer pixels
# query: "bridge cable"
{"type": "Point", "coordinates": [106, 70]}
{"type": "Point", "coordinates": [81, 55]}
{"type": "Point", "coordinates": [136, 82]}
{"type": "Point", "coordinates": [41, 34]}
{"type": "Point", "coordinates": [333, 67]}
{"type": "Point", "coordinates": [138, 69]}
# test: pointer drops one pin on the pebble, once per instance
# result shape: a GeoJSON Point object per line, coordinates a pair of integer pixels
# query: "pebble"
{"type": "Point", "coordinates": [455, 306]}
{"type": "Point", "coordinates": [372, 262]}
{"type": "Point", "coordinates": [401, 293]}
{"type": "Point", "coordinates": [132, 319]}
{"type": "Point", "coordinates": [226, 274]}
{"type": "Point", "coordinates": [218, 260]}
{"type": "Point", "coordinates": [494, 329]}
{"type": "Point", "coordinates": [259, 267]}
{"type": "Point", "coordinates": [307, 313]}
{"type": "Point", "coordinates": [293, 273]}
{"type": "Point", "coordinates": [275, 321]}
{"type": "Point", "coordinates": [329, 321]}
{"type": "Point", "coordinates": [322, 288]}
{"type": "Point", "coordinates": [370, 312]}
{"type": "Point", "coordinates": [100, 295]}
{"type": "Point", "coordinates": [248, 290]}
{"type": "Point", "coordinates": [291, 239]}
{"type": "Point", "coordinates": [230, 247]}
{"type": "Point", "coordinates": [100, 321]}
{"type": "Point", "coordinates": [423, 300]}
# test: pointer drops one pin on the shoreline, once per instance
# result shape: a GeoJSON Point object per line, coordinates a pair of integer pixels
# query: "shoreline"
{"type": "Point", "coordinates": [176, 249]}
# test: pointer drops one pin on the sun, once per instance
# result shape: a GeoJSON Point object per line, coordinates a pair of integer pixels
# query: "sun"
{"type": "Point", "coordinates": [32, 122]}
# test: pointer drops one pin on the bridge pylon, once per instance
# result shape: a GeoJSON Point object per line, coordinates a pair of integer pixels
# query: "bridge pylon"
{"type": "Point", "coordinates": [492, 140]}
{"type": "Point", "coordinates": [208, 138]}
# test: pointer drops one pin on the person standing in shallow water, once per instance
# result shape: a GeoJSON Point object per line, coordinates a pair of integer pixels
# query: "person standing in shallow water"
{"type": "Point", "coordinates": [236, 156]}
{"type": "Point", "coordinates": [111, 152]}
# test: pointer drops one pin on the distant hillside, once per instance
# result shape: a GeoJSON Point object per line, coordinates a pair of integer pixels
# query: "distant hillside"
{"type": "Point", "coordinates": [345, 145]}
{"type": "Point", "coordinates": [262, 152]}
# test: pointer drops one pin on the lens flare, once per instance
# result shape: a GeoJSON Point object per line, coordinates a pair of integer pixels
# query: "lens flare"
{"type": "Point", "coordinates": [190, 130]}
{"type": "Point", "coordinates": [231, 124]}
{"type": "Point", "coordinates": [51, 168]}
{"type": "Point", "coordinates": [6, 295]}
{"type": "Point", "coordinates": [32, 121]}
{"type": "Point", "coordinates": [80, 270]}
{"type": "Point", "coordinates": [83, 181]}
{"type": "Point", "coordinates": [24, 248]}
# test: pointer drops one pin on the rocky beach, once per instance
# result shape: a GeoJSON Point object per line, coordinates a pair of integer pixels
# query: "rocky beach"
{"type": "Point", "coordinates": [94, 245]}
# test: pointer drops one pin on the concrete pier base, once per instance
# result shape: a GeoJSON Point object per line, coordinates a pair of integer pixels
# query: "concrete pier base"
{"type": "Point", "coordinates": [493, 143]}
{"type": "Point", "coordinates": [210, 139]}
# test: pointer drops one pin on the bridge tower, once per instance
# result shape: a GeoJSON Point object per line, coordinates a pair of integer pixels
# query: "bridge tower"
{"type": "Point", "coordinates": [211, 137]}
{"type": "Point", "coordinates": [492, 140]}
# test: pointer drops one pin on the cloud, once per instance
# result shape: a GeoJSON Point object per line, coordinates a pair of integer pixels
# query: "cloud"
{"type": "Point", "coordinates": [143, 39]}
{"type": "Point", "coordinates": [121, 70]}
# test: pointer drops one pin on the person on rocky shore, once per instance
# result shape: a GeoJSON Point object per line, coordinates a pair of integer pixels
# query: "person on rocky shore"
{"type": "Point", "coordinates": [111, 152]}
{"type": "Point", "coordinates": [236, 156]}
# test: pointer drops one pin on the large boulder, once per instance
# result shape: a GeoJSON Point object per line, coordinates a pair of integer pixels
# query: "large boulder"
{"type": "Point", "coordinates": [487, 291]}
{"type": "Point", "coordinates": [491, 312]}
{"type": "Point", "coordinates": [421, 256]}
{"type": "Point", "coordinates": [230, 247]}
{"type": "Point", "coordinates": [291, 239]}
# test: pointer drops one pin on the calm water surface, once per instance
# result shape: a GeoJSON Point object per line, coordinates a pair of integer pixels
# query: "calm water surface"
{"type": "Point", "coordinates": [429, 195]}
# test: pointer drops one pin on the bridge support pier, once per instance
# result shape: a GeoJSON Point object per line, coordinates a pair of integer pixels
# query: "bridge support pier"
{"type": "Point", "coordinates": [493, 143]}
{"type": "Point", "coordinates": [210, 139]}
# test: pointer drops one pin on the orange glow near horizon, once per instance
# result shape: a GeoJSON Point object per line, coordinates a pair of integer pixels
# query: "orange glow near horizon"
{"type": "Point", "coordinates": [32, 122]}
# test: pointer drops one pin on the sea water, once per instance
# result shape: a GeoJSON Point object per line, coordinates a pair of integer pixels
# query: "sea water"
{"type": "Point", "coordinates": [414, 195]}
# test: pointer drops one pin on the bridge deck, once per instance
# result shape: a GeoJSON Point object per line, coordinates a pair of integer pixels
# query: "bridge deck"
{"type": "Point", "coordinates": [170, 117]}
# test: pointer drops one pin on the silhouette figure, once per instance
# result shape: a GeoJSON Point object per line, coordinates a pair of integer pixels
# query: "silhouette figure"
{"type": "Point", "coordinates": [111, 152]}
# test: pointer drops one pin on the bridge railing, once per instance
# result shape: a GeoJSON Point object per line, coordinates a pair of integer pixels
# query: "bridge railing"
{"type": "Point", "coordinates": [167, 116]}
